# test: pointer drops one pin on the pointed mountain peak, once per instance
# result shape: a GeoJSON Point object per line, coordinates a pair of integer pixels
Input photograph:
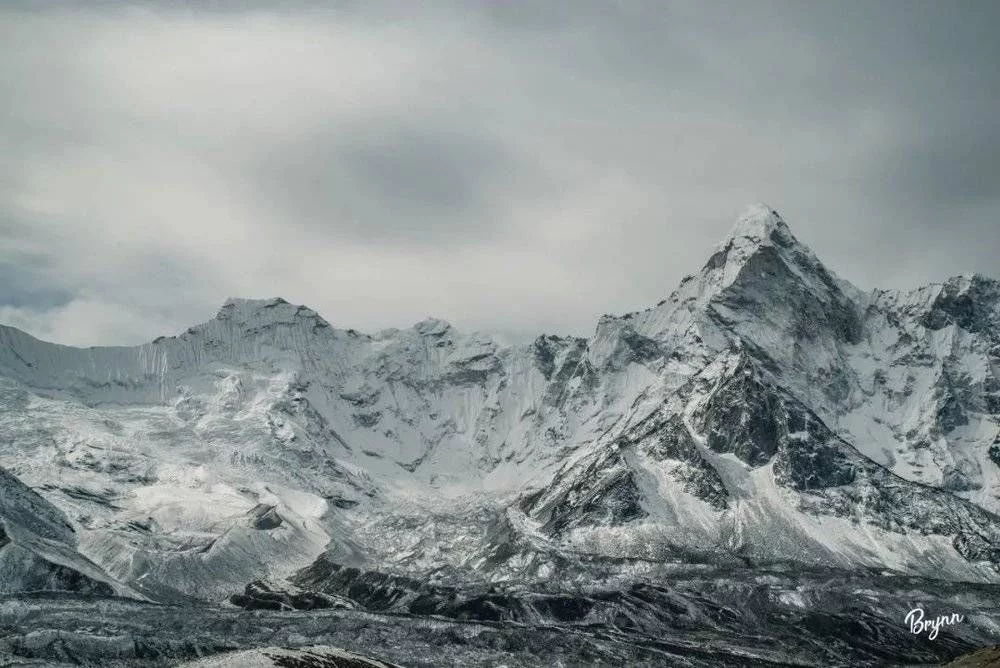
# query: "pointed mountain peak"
{"type": "Point", "coordinates": [762, 269]}
{"type": "Point", "coordinates": [267, 311]}
{"type": "Point", "coordinates": [758, 226]}
{"type": "Point", "coordinates": [757, 229]}
{"type": "Point", "coordinates": [237, 306]}
{"type": "Point", "coordinates": [760, 223]}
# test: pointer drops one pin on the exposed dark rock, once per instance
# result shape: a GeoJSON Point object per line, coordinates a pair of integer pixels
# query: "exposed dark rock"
{"type": "Point", "coordinates": [976, 548]}
{"type": "Point", "coordinates": [972, 307]}
{"type": "Point", "coordinates": [741, 417]}
{"type": "Point", "coordinates": [265, 596]}
{"type": "Point", "coordinates": [367, 419]}
{"type": "Point", "coordinates": [641, 349]}
{"type": "Point", "coordinates": [994, 453]}
{"type": "Point", "coordinates": [810, 457]}
{"type": "Point", "coordinates": [766, 284]}
{"type": "Point", "coordinates": [669, 438]}
{"type": "Point", "coordinates": [601, 490]}
{"type": "Point", "coordinates": [545, 349]}
{"type": "Point", "coordinates": [265, 517]}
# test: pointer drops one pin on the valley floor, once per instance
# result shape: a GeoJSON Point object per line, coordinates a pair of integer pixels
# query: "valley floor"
{"type": "Point", "coordinates": [816, 619]}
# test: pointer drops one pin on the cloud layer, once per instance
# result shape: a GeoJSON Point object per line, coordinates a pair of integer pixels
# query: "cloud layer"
{"type": "Point", "coordinates": [505, 166]}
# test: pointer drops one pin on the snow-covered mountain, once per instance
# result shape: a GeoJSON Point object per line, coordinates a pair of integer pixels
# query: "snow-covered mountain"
{"type": "Point", "coordinates": [766, 412]}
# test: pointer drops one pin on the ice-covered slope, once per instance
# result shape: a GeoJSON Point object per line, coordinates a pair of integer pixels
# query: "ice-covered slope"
{"type": "Point", "coordinates": [765, 411]}
{"type": "Point", "coordinates": [927, 402]}
{"type": "Point", "coordinates": [244, 446]}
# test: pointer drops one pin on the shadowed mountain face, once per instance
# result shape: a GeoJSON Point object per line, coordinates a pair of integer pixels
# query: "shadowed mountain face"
{"type": "Point", "coordinates": [766, 417]}
{"type": "Point", "coordinates": [38, 547]}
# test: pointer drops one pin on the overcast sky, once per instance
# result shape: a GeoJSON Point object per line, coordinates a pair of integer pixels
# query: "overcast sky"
{"type": "Point", "coordinates": [508, 166]}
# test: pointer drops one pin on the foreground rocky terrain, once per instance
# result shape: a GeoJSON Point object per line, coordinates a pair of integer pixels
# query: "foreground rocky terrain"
{"type": "Point", "coordinates": [694, 618]}
{"type": "Point", "coordinates": [769, 466]}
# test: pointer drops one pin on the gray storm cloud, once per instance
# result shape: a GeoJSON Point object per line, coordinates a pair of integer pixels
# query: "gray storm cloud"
{"type": "Point", "coordinates": [513, 167]}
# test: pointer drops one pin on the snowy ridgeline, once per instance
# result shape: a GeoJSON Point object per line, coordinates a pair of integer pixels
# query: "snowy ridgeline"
{"type": "Point", "coordinates": [765, 412]}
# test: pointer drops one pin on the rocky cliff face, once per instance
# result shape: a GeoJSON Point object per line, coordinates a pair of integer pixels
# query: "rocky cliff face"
{"type": "Point", "coordinates": [766, 412]}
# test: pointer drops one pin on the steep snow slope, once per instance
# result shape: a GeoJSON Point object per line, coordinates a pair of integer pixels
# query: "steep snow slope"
{"type": "Point", "coordinates": [766, 411]}
{"type": "Point", "coordinates": [928, 402]}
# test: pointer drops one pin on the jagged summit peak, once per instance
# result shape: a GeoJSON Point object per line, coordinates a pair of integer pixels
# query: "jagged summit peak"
{"type": "Point", "coordinates": [761, 261]}
{"type": "Point", "coordinates": [234, 305]}
{"type": "Point", "coordinates": [971, 280]}
{"type": "Point", "coordinates": [275, 309]}
{"type": "Point", "coordinates": [760, 224]}
{"type": "Point", "coordinates": [757, 228]}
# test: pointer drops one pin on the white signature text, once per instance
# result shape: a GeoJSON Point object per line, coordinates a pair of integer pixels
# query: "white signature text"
{"type": "Point", "coordinates": [917, 623]}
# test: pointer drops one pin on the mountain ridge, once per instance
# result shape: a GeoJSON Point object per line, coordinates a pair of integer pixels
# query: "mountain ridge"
{"type": "Point", "coordinates": [751, 233]}
{"type": "Point", "coordinates": [786, 416]}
